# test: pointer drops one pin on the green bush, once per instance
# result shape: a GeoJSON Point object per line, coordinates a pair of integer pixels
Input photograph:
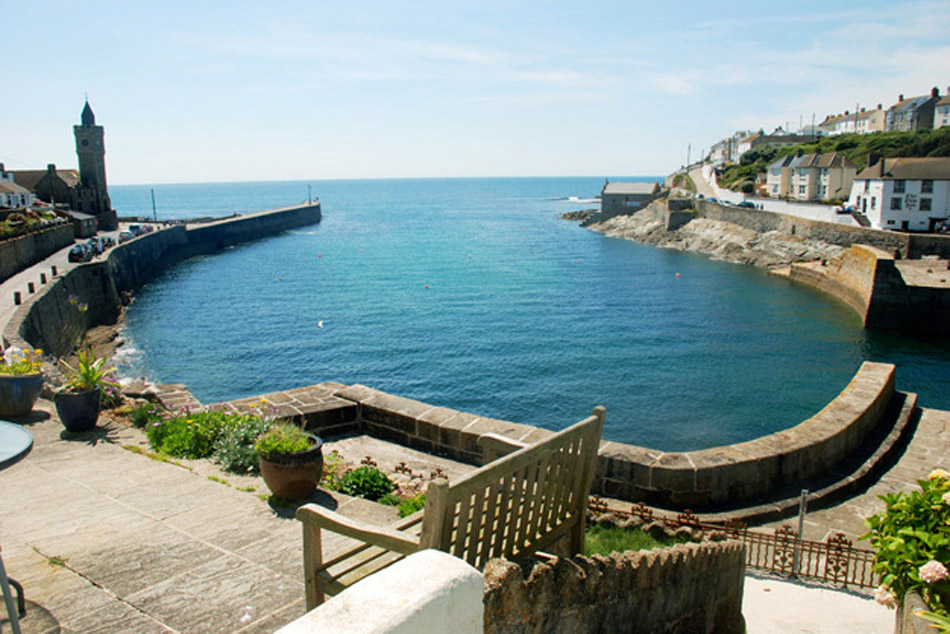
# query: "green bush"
{"type": "Point", "coordinates": [145, 413]}
{"type": "Point", "coordinates": [234, 448]}
{"type": "Point", "coordinates": [189, 435]}
{"type": "Point", "coordinates": [332, 471]}
{"type": "Point", "coordinates": [366, 482]}
{"type": "Point", "coordinates": [410, 505]}
{"type": "Point", "coordinates": [912, 539]}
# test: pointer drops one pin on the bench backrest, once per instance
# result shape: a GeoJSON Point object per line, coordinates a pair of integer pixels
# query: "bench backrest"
{"type": "Point", "coordinates": [518, 504]}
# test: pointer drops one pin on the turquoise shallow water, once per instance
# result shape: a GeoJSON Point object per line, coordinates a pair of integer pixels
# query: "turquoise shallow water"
{"type": "Point", "coordinates": [473, 294]}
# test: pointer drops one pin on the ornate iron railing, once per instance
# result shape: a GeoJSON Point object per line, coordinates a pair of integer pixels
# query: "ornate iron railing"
{"type": "Point", "coordinates": [780, 551]}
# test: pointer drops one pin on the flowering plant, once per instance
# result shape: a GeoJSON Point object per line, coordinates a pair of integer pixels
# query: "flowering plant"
{"type": "Point", "coordinates": [282, 438]}
{"type": "Point", "coordinates": [90, 371]}
{"type": "Point", "coordinates": [18, 362]}
{"type": "Point", "coordinates": [912, 539]}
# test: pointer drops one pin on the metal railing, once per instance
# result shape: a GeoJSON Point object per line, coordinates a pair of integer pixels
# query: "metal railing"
{"type": "Point", "coordinates": [780, 551]}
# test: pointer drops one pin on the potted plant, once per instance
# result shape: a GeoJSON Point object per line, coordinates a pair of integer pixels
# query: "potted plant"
{"type": "Point", "coordinates": [21, 379]}
{"type": "Point", "coordinates": [78, 402]}
{"type": "Point", "coordinates": [290, 459]}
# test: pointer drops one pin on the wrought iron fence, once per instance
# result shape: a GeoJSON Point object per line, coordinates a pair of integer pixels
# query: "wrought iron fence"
{"type": "Point", "coordinates": [780, 551]}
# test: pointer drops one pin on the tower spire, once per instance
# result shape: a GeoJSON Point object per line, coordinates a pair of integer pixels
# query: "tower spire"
{"type": "Point", "coordinates": [87, 117]}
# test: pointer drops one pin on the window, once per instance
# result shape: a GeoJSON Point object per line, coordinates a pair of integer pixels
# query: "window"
{"type": "Point", "coordinates": [895, 203]}
{"type": "Point", "coordinates": [873, 202]}
{"type": "Point", "coordinates": [899, 187]}
{"type": "Point", "coordinates": [925, 204]}
{"type": "Point", "coordinates": [774, 189]}
{"type": "Point", "coordinates": [867, 185]}
{"type": "Point", "coordinates": [802, 189]}
{"type": "Point", "coordinates": [926, 187]}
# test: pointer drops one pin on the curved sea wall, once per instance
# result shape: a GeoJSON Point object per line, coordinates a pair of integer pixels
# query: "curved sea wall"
{"type": "Point", "coordinates": [728, 476]}
{"type": "Point", "coordinates": [48, 320]}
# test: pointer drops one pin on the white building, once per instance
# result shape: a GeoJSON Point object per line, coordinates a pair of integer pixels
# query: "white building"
{"type": "Point", "coordinates": [910, 194]}
{"type": "Point", "coordinates": [13, 196]}
{"type": "Point", "coordinates": [942, 112]}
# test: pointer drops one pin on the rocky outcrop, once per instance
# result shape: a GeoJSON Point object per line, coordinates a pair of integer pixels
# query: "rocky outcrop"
{"type": "Point", "coordinates": [719, 239]}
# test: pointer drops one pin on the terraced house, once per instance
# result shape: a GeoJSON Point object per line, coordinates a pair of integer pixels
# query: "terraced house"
{"type": "Point", "coordinates": [810, 177]}
{"type": "Point", "coordinates": [909, 194]}
{"type": "Point", "coordinates": [914, 113]}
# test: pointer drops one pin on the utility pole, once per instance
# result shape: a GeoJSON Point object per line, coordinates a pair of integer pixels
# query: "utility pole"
{"type": "Point", "coordinates": [154, 212]}
{"type": "Point", "coordinates": [689, 147]}
{"type": "Point", "coordinates": [309, 196]}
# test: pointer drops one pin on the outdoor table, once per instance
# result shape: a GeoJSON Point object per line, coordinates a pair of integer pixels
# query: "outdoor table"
{"type": "Point", "coordinates": [15, 443]}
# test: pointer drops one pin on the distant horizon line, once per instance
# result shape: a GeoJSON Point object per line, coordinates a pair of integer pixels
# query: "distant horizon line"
{"type": "Point", "coordinates": [384, 178]}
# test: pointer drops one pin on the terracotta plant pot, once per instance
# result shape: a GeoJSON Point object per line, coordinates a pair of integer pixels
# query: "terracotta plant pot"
{"type": "Point", "coordinates": [293, 476]}
{"type": "Point", "coordinates": [18, 393]}
{"type": "Point", "coordinates": [78, 411]}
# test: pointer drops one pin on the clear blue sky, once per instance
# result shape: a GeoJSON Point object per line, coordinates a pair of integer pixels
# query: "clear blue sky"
{"type": "Point", "coordinates": [227, 91]}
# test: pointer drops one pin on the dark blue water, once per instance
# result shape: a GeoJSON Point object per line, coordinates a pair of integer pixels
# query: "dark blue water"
{"type": "Point", "coordinates": [473, 294]}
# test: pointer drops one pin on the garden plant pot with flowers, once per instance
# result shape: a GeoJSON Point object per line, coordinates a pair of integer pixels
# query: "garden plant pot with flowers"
{"type": "Point", "coordinates": [78, 403]}
{"type": "Point", "coordinates": [291, 460]}
{"type": "Point", "coordinates": [21, 379]}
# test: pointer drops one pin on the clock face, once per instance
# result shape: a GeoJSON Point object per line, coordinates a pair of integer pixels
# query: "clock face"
{"type": "Point", "coordinates": [84, 142]}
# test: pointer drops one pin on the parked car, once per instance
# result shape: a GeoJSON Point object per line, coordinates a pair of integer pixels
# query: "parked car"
{"type": "Point", "coordinates": [95, 246]}
{"type": "Point", "coordinates": [136, 230]}
{"type": "Point", "coordinates": [844, 209]}
{"type": "Point", "coordinates": [745, 204]}
{"type": "Point", "coordinates": [80, 253]}
{"type": "Point", "coordinates": [107, 242]}
{"type": "Point", "coordinates": [125, 236]}
{"type": "Point", "coordinates": [713, 200]}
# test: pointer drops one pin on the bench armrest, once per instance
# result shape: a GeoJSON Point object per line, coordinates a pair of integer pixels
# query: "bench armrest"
{"type": "Point", "coordinates": [495, 446]}
{"type": "Point", "coordinates": [396, 541]}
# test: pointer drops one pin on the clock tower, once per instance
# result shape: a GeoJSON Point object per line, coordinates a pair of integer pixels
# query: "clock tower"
{"type": "Point", "coordinates": [93, 197]}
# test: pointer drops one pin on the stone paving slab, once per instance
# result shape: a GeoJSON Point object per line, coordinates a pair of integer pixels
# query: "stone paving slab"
{"type": "Point", "coordinates": [151, 546]}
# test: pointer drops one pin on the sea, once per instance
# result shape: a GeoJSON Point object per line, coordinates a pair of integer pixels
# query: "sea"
{"type": "Point", "coordinates": [473, 294]}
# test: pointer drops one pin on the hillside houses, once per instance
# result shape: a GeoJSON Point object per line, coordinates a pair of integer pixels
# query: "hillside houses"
{"type": "Point", "coordinates": [915, 113]}
{"type": "Point", "coordinates": [810, 177]}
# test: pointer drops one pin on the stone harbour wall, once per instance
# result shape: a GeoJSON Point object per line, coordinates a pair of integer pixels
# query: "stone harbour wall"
{"type": "Point", "coordinates": [694, 588]}
{"type": "Point", "coordinates": [736, 474]}
{"type": "Point", "coordinates": [46, 320]}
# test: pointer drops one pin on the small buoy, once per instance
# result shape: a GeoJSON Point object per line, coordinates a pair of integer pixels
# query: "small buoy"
{"type": "Point", "coordinates": [677, 275]}
{"type": "Point", "coordinates": [319, 255]}
{"type": "Point", "coordinates": [427, 286]}
{"type": "Point", "coordinates": [320, 324]}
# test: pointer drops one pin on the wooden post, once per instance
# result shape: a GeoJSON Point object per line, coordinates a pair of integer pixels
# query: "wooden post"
{"type": "Point", "coordinates": [312, 562]}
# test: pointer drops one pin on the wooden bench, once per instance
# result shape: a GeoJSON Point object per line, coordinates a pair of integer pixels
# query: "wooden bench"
{"type": "Point", "coordinates": [511, 507]}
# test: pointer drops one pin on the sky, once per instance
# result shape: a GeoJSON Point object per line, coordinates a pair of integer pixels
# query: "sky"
{"type": "Point", "coordinates": [204, 91]}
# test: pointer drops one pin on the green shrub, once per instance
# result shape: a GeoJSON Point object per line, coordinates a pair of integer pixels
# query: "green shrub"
{"type": "Point", "coordinates": [188, 435]}
{"type": "Point", "coordinates": [332, 471]}
{"type": "Point", "coordinates": [912, 539]}
{"type": "Point", "coordinates": [145, 413]}
{"type": "Point", "coordinates": [234, 448]}
{"type": "Point", "coordinates": [410, 505]}
{"type": "Point", "coordinates": [366, 482]}
{"type": "Point", "coordinates": [282, 438]}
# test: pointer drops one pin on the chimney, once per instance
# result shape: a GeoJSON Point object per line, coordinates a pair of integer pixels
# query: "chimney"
{"type": "Point", "coordinates": [863, 109]}
{"type": "Point", "coordinates": [846, 113]}
{"type": "Point", "coordinates": [878, 106]}
{"type": "Point", "coordinates": [874, 157]}
{"type": "Point", "coordinates": [900, 97]}
{"type": "Point", "coordinates": [798, 152]}
{"type": "Point", "coordinates": [935, 92]}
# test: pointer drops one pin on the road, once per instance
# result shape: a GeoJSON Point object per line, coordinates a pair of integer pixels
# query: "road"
{"type": "Point", "coordinates": [20, 282]}
{"type": "Point", "coordinates": [705, 185]}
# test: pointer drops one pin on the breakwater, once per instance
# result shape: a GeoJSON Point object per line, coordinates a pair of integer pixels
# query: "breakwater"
{"type": "Point", "coordinates": [47, 320]}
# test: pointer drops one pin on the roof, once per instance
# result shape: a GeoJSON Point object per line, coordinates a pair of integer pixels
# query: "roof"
{"type": "Point", "coordinates": [87, 117]}
{"type": "Point", "coordinates": [911, 103]}
{"type": "Point", "coordinates": [8, 187]}
{"type": "Point", "coordinates": [29, 178]}
{"type": "Point", "coordinates": [785, 161]}
{"type": "Point", "coordinates": [631, 188]}
{"type": "Point", "coordinates": [909, 168]}
{"type": "Point", "coordinates": [78, 215]}
{"type": "Point", "coordinates": [945, 101]}
{"type": "Point", "coordinates": [822, 160]}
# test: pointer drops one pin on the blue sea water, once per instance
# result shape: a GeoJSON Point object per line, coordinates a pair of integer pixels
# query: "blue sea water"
{"type": "Point", "coordinates": [473, 294]}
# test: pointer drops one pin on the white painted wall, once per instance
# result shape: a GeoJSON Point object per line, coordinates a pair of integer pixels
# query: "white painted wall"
{"type": "Point", "coordinates": [877, 195]}
{"type": "Point", "coordinates": [429, 592]}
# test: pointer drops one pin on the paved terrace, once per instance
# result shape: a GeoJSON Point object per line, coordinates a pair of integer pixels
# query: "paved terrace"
{"type": "Point", "coordinates": [149, 546]}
